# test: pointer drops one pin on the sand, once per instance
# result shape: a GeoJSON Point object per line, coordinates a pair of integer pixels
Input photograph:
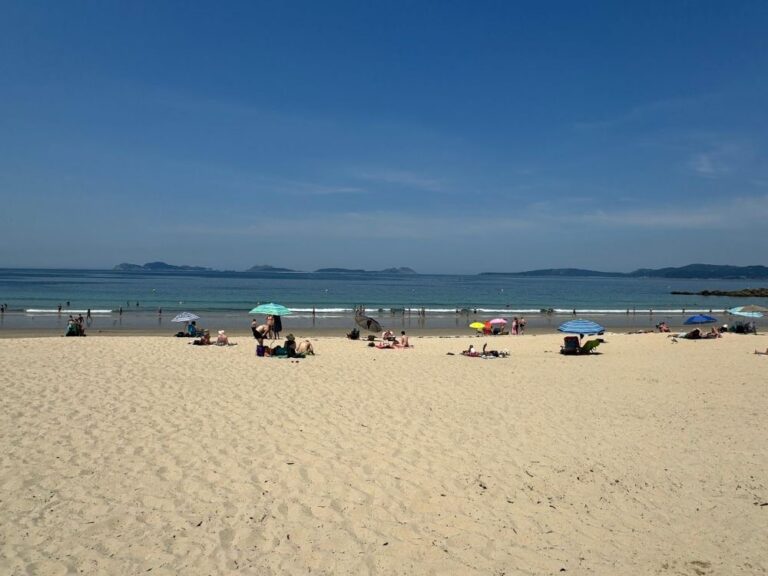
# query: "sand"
{"type": "Point", "coordinates": [136, 455]}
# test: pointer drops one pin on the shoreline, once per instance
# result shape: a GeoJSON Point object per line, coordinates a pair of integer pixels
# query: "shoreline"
{"type": "Point", "coordinates": [15, 324]}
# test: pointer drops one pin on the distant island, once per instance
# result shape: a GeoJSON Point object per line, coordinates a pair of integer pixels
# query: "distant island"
{"type": "Point", "coordinates": [164, 267]}
{"type": "Point", "coordinates": [745, 293]}
{"type": "Point", "coordinates": [575, 272]}
{"type": "Point", "coordinates": [704, 271]}
{"type": "Point", "coordinates": [268, 268]}
{"type": "Point", "coordinates": [402, 270]}
{"type": "Point", "coordinates": [158, 267]}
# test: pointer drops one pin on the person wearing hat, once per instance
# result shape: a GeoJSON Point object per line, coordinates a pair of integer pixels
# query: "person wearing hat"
{"type": "Point", "coordinates": [223, 339]}
{"type": "Point", "coordinates": [290, 345]}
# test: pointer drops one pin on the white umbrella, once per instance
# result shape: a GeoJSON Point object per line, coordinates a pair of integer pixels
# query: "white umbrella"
{"type": "Point", "coordinates": [186, 317]}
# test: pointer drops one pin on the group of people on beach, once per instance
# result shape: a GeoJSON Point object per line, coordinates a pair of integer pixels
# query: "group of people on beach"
{"type": "Point", "coordinates": [288, 349]}
{"type": "Point", "coordinates": [389, 340]}
{"type": "Point", "coordinates": [75, 326]}
{"type": "Point", "coordinates": [271, 329]}
{"type": "Point", "coordinates": [485, 353]}
{"type": "Point", "coordinates": [205, 339]}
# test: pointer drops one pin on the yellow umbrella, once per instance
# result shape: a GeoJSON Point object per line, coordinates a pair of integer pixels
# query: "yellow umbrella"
{"type": "Point", "coordinates": [477, 325]}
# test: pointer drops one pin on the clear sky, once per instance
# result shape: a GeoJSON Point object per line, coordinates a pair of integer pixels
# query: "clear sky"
{"type": "Point", "coordinates": [444, 136]}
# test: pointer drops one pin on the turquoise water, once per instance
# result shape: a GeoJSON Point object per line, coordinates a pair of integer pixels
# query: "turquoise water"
{"type": "Point", "coordinates": [36, 294]}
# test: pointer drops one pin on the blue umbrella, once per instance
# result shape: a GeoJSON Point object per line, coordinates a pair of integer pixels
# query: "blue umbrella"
{"type": "Point", "coordinates": [271, 309]}
{"type": "Point", "coordinates": [581, 327]}
{"type": "Point", "coordinates": [700, 319]}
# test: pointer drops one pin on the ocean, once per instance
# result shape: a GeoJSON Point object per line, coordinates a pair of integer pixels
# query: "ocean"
{"type": "Point", "coordinates": [327, 300]}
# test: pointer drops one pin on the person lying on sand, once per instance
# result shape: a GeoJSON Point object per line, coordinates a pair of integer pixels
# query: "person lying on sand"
{"type": "Point", "coordinates": [762, 353]}
{"type": "Point", "coordinates": [493, 353]}
{"type": "Point", "coordinates": [470, 351]}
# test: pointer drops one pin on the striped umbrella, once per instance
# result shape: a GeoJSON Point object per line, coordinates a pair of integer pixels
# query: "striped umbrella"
{"type": "Point", "coordinates": [580, 326]}
{"type": "Point", "coordinates": [185, 317]}
{"type": "Point", "coordinates": [751, 311]}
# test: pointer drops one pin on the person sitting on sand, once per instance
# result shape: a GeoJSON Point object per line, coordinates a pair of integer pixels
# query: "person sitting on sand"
{"type": "Point", "coordinates": [663, 326]}
{"type": "Point", "coordinates": [470, 351]}
{"type": "Point", "coordinates": [403, 340]}
{"type": "Point", "coordinates": [388, 335]}
{"type": "Point", "coordinates": [306, 349]}
{"type": "Point", "coordinates": [290, 346]}
{"type": "Point", "coordinates": [222, 339]}
{"type": "Point", "coordinates": [204, 340]}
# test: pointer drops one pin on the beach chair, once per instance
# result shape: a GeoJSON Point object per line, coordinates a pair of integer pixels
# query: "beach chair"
{"type": "Point", "coordinates": [589, 346]}
{"type": "Point", "coordinates": [570, 345]}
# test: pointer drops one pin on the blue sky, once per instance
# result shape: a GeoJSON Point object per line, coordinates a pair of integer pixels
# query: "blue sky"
{"type": "Point", "coordinates": [444, 136]}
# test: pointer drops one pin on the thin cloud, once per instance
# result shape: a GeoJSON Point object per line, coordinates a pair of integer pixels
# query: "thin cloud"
{"type": "Point", "coordinates": [532, 220]}
{"type": "Point", "coordinates": [644, 112]}
{"type": "Point", "coordinates": [402, 178]}
{"type": "Point", "coordinates": [721, 159]}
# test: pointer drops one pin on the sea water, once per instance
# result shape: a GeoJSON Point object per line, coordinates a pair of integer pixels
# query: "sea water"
{"type": "Point", "coordinates": [148, 299]}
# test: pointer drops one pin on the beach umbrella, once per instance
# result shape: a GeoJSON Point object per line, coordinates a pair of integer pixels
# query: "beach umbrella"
{"type": "Point", "coordinates": [580, 326]}
{"type": "Point", "coordinates": [750, 310]}
{"type": "Point", "coordinates": [753, 308]}
{"type": "Point", "coordinates": [477, 325]}
{"type": "Point", "coordinates": [368, 323]}
{"type": "Point", "coordinates": [498, 321]}
{"type": "Point", "coordinates": [271, 309]}
{"type": "Point", "coordinates": [700, 319]}
{"type": "Point", "coordinates": [746, 311]}
{"type": "Point", "coordinates": [185, 317]}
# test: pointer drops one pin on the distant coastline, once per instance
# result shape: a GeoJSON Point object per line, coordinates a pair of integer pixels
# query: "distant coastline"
{"type": "Point", "coordinates": [165, 267]}
{"type": "Point", "coordinates": [690, 271]}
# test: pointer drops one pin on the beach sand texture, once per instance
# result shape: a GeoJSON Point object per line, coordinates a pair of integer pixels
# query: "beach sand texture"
{"type": "Point", "coordinates": [134, 455]}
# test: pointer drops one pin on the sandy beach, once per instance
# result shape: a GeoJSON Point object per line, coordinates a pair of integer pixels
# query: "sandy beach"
{"type": "Point", "coordinates": [129, 455]}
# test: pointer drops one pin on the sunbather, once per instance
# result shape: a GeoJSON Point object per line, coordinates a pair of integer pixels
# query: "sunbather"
{"type": "Point", "coordinates": [470, 351]}
{"type": "Point", "coordinates": [222, 339]}
{"type": "Point", "coordinates": [762, 353]}
{"type": "Point", "coordinates": [305, 348]}
{"type": "Point", "coordinates": [204, 340]}
{"type": "Point", "coordinates": [493, 353]}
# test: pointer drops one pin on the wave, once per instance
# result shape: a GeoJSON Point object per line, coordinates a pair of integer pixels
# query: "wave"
{"type": "Point", "coordinates": [55, 311]}
{"type": "Point", "coordinates": [497, 311]}
{"type": "Point", "coordinates": [338, 312]}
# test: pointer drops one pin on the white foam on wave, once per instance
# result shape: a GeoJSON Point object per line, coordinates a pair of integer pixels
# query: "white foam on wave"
{"type": "Point", "coordinates": [55, 311]}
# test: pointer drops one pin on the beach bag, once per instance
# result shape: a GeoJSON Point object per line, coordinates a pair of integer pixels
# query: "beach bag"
{"type": "Point", "coordinates": [260, 350]}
